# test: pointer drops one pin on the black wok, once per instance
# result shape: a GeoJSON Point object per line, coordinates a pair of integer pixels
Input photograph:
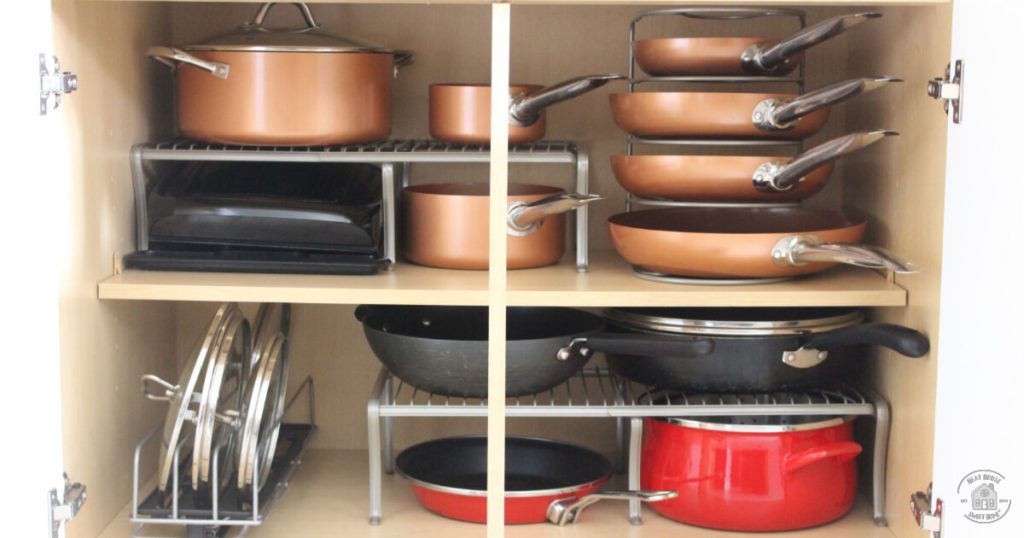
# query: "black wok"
{"type": "Point", "coordinates": [443, 349]}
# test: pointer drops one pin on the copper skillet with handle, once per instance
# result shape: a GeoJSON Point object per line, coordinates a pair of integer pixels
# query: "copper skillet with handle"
{"type": "Point", "coordinates": [461, 113]}
{"type": "Point", "coordinates": [734, 115]}
{"type": "Point", "coordinates": [737, 244]}
{"type": "Point", "coordinates": [738, 56]}
{"type": "Point", "coordinates": [731, 178]}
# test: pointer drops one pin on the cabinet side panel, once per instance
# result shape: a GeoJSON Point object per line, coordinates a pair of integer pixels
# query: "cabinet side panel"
{"type": "Point", "coordinates": [899, 184]}
{"type": "Point", "coordinates": [106, 346]}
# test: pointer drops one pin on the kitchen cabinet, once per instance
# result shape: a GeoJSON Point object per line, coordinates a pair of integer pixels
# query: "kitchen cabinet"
{"type": "Point", "coordinates": [116, 325]}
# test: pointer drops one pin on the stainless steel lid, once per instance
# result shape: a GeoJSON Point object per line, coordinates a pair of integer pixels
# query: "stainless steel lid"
{"type": "Point", "coordinates": [262, 412]}
{"type": "Point", "coordinates": [255, 36]}
{"type": "Point", "coordinates": [760, 424]}
{"type": "Point", "coordinates": [735, 321]}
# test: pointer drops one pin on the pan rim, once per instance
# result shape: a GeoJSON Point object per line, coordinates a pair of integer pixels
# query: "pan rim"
{"type": "Point", "coordinates": [518, 189]}
{"type": "Point", "coordinates": [598, 324]}
{"type": "Point", "coordinates": [522, 493]}
{"type": "Point", "coordinates": [759, 95]}
{"type": "Point", "coordinates": [856, 220]}
{"type": "Point", "coordinates": [715, 38]}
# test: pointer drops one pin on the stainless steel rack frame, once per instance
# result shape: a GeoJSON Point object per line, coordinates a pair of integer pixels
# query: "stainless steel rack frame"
{"type": "Point", "coordinates": [214, 517]}
{"type": "Point", "coordinates": [708, 13]}
{"type": "Point", "coordinates": [394, 157]}
{"type": "Point", "coordinates": [596, 392]}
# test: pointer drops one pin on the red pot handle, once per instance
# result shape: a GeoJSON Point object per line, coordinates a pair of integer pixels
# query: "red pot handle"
{"type": "Point", "coordinates": [844, 450]}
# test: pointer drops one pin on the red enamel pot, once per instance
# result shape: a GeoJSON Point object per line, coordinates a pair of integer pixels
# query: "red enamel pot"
{"type": "Point", "coordinates": [544, 480]}
{"type": "Point", "coordinates": [752, 473]}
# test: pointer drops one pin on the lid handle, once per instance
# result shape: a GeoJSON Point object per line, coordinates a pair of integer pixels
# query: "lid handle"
{"type": "Point", "coordinates": [261, 14]}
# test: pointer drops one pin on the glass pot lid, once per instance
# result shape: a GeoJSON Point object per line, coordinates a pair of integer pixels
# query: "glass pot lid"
{"type": "Point", "coordinates": [735, 321]}
{"type": "Point", "coordinates": [255, 36]}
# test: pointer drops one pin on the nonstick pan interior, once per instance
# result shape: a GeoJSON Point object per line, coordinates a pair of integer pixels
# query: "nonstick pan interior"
{"type": "Point", "coordinates": [727, 220]}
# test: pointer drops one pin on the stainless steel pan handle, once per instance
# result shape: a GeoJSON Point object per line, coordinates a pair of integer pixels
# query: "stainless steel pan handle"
{"type": "Point", "coordinates": [565, 511]}
{"type": "Point", "coordinates": [173, 57]}
{"type": "Point", "coordinates": [776, 176]}
{"type": "Point", "coordinates": [801, 249]}
{"type": "Point", "coordinates": [526, 218]}
{"type": "Point", "coordinates": [525, 109]}
{"type": "Point", "coordinates": [169, 391]}
{"type": "Point", "coordinates": [775, 59]}
{"type": "Point", "coordinates": [781, 114]}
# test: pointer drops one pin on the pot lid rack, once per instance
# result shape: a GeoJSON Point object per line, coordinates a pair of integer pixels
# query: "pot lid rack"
{"type": "Point", "coordinates": [597, 392]}
{"type": "Point", "coordinates": [211, 514]}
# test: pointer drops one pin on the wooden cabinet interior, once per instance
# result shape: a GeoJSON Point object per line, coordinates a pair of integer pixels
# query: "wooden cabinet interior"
{"type": "Point", "coordinates": [125, 99]}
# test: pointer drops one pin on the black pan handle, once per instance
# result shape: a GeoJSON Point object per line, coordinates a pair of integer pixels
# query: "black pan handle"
{"type": "Point", "coordinates": [636, 344]}
{"type": "Point", "coordinates": [903, 340]}
{"type": "Point", "coordinates": [363, 311]}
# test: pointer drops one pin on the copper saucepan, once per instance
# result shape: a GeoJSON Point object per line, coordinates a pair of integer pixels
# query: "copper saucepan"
{"type": "Point", "coordinates": [446, 224]}
{"type": "Point", "coordinates": [730, 178]}
{"type": "Point", "coordinates": [723, 56]}
{"type": "Point", "coordinates": [462, 112]}
{"type": "Point", "coordinates": [733, 115]}
{"type": "Point", "coordinates": [745, 243]}
{"type": "Point", "coordinates": [261, 85]}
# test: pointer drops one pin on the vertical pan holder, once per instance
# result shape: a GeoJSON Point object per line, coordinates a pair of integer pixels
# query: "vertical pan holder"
{"type": "Point", "coordinates": [229, 506]}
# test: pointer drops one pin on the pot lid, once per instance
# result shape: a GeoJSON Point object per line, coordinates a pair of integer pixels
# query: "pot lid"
{"type": "Point", "coordinates": [735, 321]}
{"type": "Point", "coordinates": [262, 411]}
{"type": "Point", "coordinates": [254, 36]}
{"type": "Point", "coordinates": [760, 424]}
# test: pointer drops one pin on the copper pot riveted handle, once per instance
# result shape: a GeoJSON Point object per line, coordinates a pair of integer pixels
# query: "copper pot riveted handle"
{"type": "Point", "coordinates": [782, 114]}
{"type": "Point", "coordinates": [564, 511]}
{"type": "Point", "coordinates": [524, 109]}
{"type": "Point", "coordinates": [776, 176]}
{"type": "Point", "coordinates": [801, 249]}
{"type": "Point", "coordinates": [173, 57]}
{"type": "Point", "coordinates": [762, 58]}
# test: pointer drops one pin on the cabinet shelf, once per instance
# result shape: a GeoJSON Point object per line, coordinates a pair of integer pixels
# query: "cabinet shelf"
{"type": "Point", "coordinates": [610, 282]}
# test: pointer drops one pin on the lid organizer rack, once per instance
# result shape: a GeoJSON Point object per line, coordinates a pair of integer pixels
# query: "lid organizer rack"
{"type": "Point", "coordinates": [221, 509]}
{"type": "Point", "coordinates": [394, 157]}
{"type": "Point", "coordinates": [597, 392]}
{"type": "Point", "coordinates": [635, 79]}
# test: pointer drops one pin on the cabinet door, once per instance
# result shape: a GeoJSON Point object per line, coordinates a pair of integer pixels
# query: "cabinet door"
{"type": "Point", "coordinates": [35, 183]}
{"type": "Point", "coordinates": [978, 472]}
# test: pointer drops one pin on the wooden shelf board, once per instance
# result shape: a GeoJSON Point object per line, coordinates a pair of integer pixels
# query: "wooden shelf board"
{"type": "Point", "coordinates": [327, 497]}
{"type": "Point", "coordinates": [404, 284]}
{"type": "Point", "coordinates": [611, 282]}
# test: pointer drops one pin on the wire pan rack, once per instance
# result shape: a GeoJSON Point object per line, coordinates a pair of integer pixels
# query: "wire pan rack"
{"type": "Point", "coordinates": [211, 515]}
{"type": "Point", "coordinates": [597, 392]}
{"type": "Point", "coordinates": [394, 157]}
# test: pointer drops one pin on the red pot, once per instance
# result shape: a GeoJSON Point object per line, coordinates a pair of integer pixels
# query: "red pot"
{"type": "Point", "coordinates": [734, 474]}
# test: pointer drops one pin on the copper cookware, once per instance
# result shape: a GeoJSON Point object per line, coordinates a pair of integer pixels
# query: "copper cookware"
{"type": "Point", "coordinates": [446, 224]}
{"type": "Point", "coordinates": [723, 56]}
{"type": "Point", "coordinates": [283, 87]}
{"type": "Point", "coordinates": [733, 115]}
{"type": "Point", "coordinates": [462, 112]}
{"type": "Point", "coordinates": [729, 178]}
{"type": "Point", "coordinates": [745, 243]}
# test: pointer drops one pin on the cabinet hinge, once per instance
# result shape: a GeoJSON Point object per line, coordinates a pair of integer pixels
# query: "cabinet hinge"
{"type": "Point", "coordinates": [950, 90]}
{"type": "Point", "coordinates": [66, 509]}
{"type": "Point", "coordinates": [53, 83]}
{"type": "Point", "coordinates": [926, 518]}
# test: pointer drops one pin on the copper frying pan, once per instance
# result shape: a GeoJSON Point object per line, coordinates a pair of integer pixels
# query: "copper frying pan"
{"type": "Point", "coordinates": [461, 113]}
{"type": "Point", "coordinates": [446, 224]}
{"type": "Point", "coordinates": [745, 243]}
{"type": "Point", "coordinates": [724, 56]}
{"type": "Point", "coordinates": [733, 115]}
{"type": "Point", "coordinates": [730, 178]}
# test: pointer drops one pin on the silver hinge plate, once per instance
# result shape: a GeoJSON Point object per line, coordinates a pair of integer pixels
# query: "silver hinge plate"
{"type": "Point", "coordinates": [64, 510]}
{"type": "Point", "coordinates": [926, 518]}
{"type": "Point", "coordinates": [805, 357]}
{"type": "Point", "coordinates": [53, 83]}
{"type": "Point", "coordinates": [950, 90]}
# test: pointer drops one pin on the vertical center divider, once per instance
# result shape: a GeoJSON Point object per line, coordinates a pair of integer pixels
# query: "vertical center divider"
{"type": "Point", "coordinates": [500, 44]}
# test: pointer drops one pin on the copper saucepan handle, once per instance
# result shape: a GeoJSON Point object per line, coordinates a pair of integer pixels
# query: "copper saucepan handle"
{"type": "Point", "coordinates": [173, 57]}
{"type": "Point", "coordinates": [801, 249]}
{"type": "Point", "coordinates": [782, 114]}
{"type": "Point", "coordinates": [524, 110]}
{"type": "Point", "coordinates": [773, 59]}
{"type": "Point", "coordinates": [775, 176]}
{"type": "Point", "coordinates": [565, 511]}
{"type": "Point", "coordinates": [526, 218]}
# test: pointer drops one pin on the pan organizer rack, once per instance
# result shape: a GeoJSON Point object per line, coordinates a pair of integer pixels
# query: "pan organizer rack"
{"type": "Point", "coordinates": [394, 157]}
{"type": "Point", "coordinates": [214, 514]}
{"type": "Point", "coordinates": [636, 79]}
{"type": "Point", "coordinates": [596, 392]}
